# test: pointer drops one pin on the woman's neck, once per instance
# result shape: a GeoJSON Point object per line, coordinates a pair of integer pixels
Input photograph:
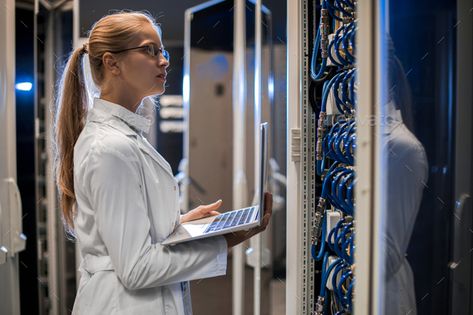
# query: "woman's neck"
{"type": "Point", "coordinates": [121, 97]}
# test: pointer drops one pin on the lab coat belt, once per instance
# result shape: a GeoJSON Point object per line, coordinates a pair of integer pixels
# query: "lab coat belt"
{"type": "Point", "coordinates": [93, 264]}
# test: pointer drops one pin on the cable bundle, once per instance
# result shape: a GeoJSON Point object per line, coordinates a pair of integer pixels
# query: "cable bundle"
{"type": "Point", "coordinates": [341, 50]}
{"type": "Point", "coordinates": [333, 233]}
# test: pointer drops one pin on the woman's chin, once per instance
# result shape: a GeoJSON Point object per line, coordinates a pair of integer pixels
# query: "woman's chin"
{"type": "Point", "coordinates": [156, 91]}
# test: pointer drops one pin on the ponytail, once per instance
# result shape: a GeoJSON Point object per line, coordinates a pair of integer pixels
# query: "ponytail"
{"type": "Point", "coordinates": [71, 110]}
{"type": "Point", "coordinates": [111, 33]}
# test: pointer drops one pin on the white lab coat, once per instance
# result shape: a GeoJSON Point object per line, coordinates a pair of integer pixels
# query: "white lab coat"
{"type": "Point", "coordinates": [127, 203]}
{"type": "Point", "coordinates": [407, 172]}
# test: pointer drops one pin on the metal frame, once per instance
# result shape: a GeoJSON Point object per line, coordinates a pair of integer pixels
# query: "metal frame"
{"type": "Point", "coordinates": [9, 270]}
{"type": "Point", "coordinates": [301, 125]}
{"type": "Point", "coordinates": [240, 192]}
{"type": "Point", "coordinates": [461, 275]}
{"type": "Point", "coordinates": [50, 200]}
{"type": "Point", "coordinates": [54, 270]}
{"type": "Point", "coordinates": [257, 243]}
{"type": "Point", "coordinates": [368, 299]}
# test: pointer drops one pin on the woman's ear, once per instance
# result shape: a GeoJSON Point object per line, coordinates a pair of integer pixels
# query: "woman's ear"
{"type": "Point", "coordinates": [110, 63]}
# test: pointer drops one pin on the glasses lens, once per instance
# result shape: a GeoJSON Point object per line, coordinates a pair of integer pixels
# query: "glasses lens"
{"type": "Point", "coordinates": [150, 50]}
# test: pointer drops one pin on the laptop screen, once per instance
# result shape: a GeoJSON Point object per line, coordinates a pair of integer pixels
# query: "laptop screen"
{"type": "Point", "coordinates": [263, 166]}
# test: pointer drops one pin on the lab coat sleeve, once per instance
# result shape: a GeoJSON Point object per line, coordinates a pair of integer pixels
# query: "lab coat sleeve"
{"type": "Point", "coordinates": [113, 181]}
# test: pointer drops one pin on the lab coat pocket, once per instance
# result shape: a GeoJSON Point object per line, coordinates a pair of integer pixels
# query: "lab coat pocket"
{"type": "Point", "coordinates": [141, 301]}
{"type": "Point", "coordinates": [96, 294]}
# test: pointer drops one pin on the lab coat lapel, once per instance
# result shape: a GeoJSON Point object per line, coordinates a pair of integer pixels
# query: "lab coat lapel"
{"type": "Point", "coordinates": [149, 150]}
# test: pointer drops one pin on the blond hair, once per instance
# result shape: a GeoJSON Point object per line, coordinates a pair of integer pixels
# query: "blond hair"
{"type": "Point", "coordinates": [113, 32]}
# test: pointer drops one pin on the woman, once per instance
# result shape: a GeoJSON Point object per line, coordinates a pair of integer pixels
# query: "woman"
{"type": "Point", "coordinates": [117, 193]}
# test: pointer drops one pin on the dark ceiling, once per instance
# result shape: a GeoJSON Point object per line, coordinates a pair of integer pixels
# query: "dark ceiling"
{"type": "Point", "coordinates": [170, 14]}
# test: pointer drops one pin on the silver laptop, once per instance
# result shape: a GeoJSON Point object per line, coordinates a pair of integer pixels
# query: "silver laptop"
{"type": "Point", "coordinates": [231, 221]}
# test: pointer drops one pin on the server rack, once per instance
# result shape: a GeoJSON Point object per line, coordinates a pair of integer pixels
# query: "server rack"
{"type": "Point", "coordinates": [301, 173]}
{"type": "Point", "coordinates": [56, 255]}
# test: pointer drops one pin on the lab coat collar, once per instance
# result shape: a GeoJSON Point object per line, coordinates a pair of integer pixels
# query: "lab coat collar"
{"type": "Point", "coordinates": [104, 109]}
{"type": "Point", "coordinates": [131, 124]}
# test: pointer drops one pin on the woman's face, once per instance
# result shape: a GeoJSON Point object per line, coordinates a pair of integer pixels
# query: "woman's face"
{"type": "Point", "coordinates": [143, 73]}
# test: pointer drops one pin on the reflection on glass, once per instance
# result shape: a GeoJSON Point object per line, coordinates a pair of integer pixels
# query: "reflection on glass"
{"type": "Point", "coordinates": [428, 259]}
{"type": "Point", "coordinates": [406, 175]}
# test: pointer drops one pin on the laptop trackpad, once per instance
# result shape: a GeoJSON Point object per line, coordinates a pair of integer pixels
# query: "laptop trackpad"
{"type": "Point", "coordinates": [196, 227]}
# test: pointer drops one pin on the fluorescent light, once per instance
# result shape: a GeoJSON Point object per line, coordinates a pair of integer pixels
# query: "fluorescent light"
{"type": "Point", "coordinates": [24, 86]}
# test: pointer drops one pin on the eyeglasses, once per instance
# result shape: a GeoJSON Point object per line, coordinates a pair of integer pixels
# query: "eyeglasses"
{"type": "Point", "coordinates": [151, 50]}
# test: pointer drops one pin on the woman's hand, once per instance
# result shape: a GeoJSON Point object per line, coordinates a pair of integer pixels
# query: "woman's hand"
{"type": "Point", "coordinates": [236, 238]}
{"type": "Point", "coordinates": [202, 212]}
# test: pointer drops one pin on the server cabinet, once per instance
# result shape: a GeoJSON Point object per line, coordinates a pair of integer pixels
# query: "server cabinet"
{"type": "Point", "coordinates": [413, 159]}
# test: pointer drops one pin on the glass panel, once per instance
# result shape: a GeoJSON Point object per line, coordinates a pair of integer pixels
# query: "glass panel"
{"type": "Point", "coordinates": [426, 156]}
{"type": "Point", "coordinates": [210, 87]}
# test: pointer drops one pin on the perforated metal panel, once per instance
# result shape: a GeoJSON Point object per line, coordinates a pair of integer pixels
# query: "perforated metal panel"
{"type": "Point", "coordinates": [301, 164]}
{"type": "Point", "coordinates": [308, 140]}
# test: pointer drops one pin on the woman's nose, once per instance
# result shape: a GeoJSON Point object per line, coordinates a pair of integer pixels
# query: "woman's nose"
{"type": "Point", "coordinates": [163, 62]}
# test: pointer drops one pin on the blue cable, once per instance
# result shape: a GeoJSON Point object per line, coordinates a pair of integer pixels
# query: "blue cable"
{"type": "Point", "coordinates": [335, 237]}
{"type": "Point", "coordinates": [338, 145]}
{"type": "Point", "coordinates": [350, 202]}
{"type": "Point", "coordinates": [347, 93]}
{"type": "Point", "coordinates": [340, 8]}
{"type": "Point", "coordinates": [336, 87]}
{"type": "Point", "coordinates": [333, 196]}
{"type": "Point", "coordinates": [340, 192]}
{"type": "Point", "coordinates": [321, 252]}
{"type": "Point", "coordinates": [331, 234]}
{"type": "Point", "coordinates": [348, 295]}
{"type": "Point", "coordinates": [314, 73]}
{"type": "Point", "coordinates": [326, 180]}
{"type": "Point", "coordinates": [331, 10]}
{"type": "Point", "coordinates": [336, 40]}
{"type": "Point", "coordinates": [326, 272]}
{"type": "Point", "coordinates": [352, 96]}
{"type": "Point", "coordinates": [332, 59]}
{"type": "Point", "coordinates": [350, 193]}
{"type": "Point", "coordinates": [345, 45]}
{"type": "Point", "coordinates": [328, 140]}
{"type": "Point", "coordinates": [341, 236]}
{"type": "Point", "coordinates": [335, 273]}
{"type": "Point", "coordinates": [348, 142]}
{"type": "Point", "coordinates": [317, 74]}
{"type": "Point", "coordinates": [345, 274]}
{"type": "Point", "coordinates": [345, 243]}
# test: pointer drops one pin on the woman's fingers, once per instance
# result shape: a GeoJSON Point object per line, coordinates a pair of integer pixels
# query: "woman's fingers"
{"type": "Point", "coordinates": [235, 238]}
{"type": "Point", "coordinates": [202, 211]}
{"type": "Point", "coordinates": [209, 209]}
{"type": "Point", "coordinates": [268, 208]}
{"type": "Point", "coordinates": [213, 206]}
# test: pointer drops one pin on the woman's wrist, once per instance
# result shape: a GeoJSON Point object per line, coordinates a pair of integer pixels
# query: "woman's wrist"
{"type": "Point", "coordinates": [229, 240]}
{"type": "Point", "coordinates": [236, 238]}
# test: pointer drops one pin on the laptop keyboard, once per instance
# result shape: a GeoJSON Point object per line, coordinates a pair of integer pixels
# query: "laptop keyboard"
{"type": "Point", "coordinates": [230, 219]}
